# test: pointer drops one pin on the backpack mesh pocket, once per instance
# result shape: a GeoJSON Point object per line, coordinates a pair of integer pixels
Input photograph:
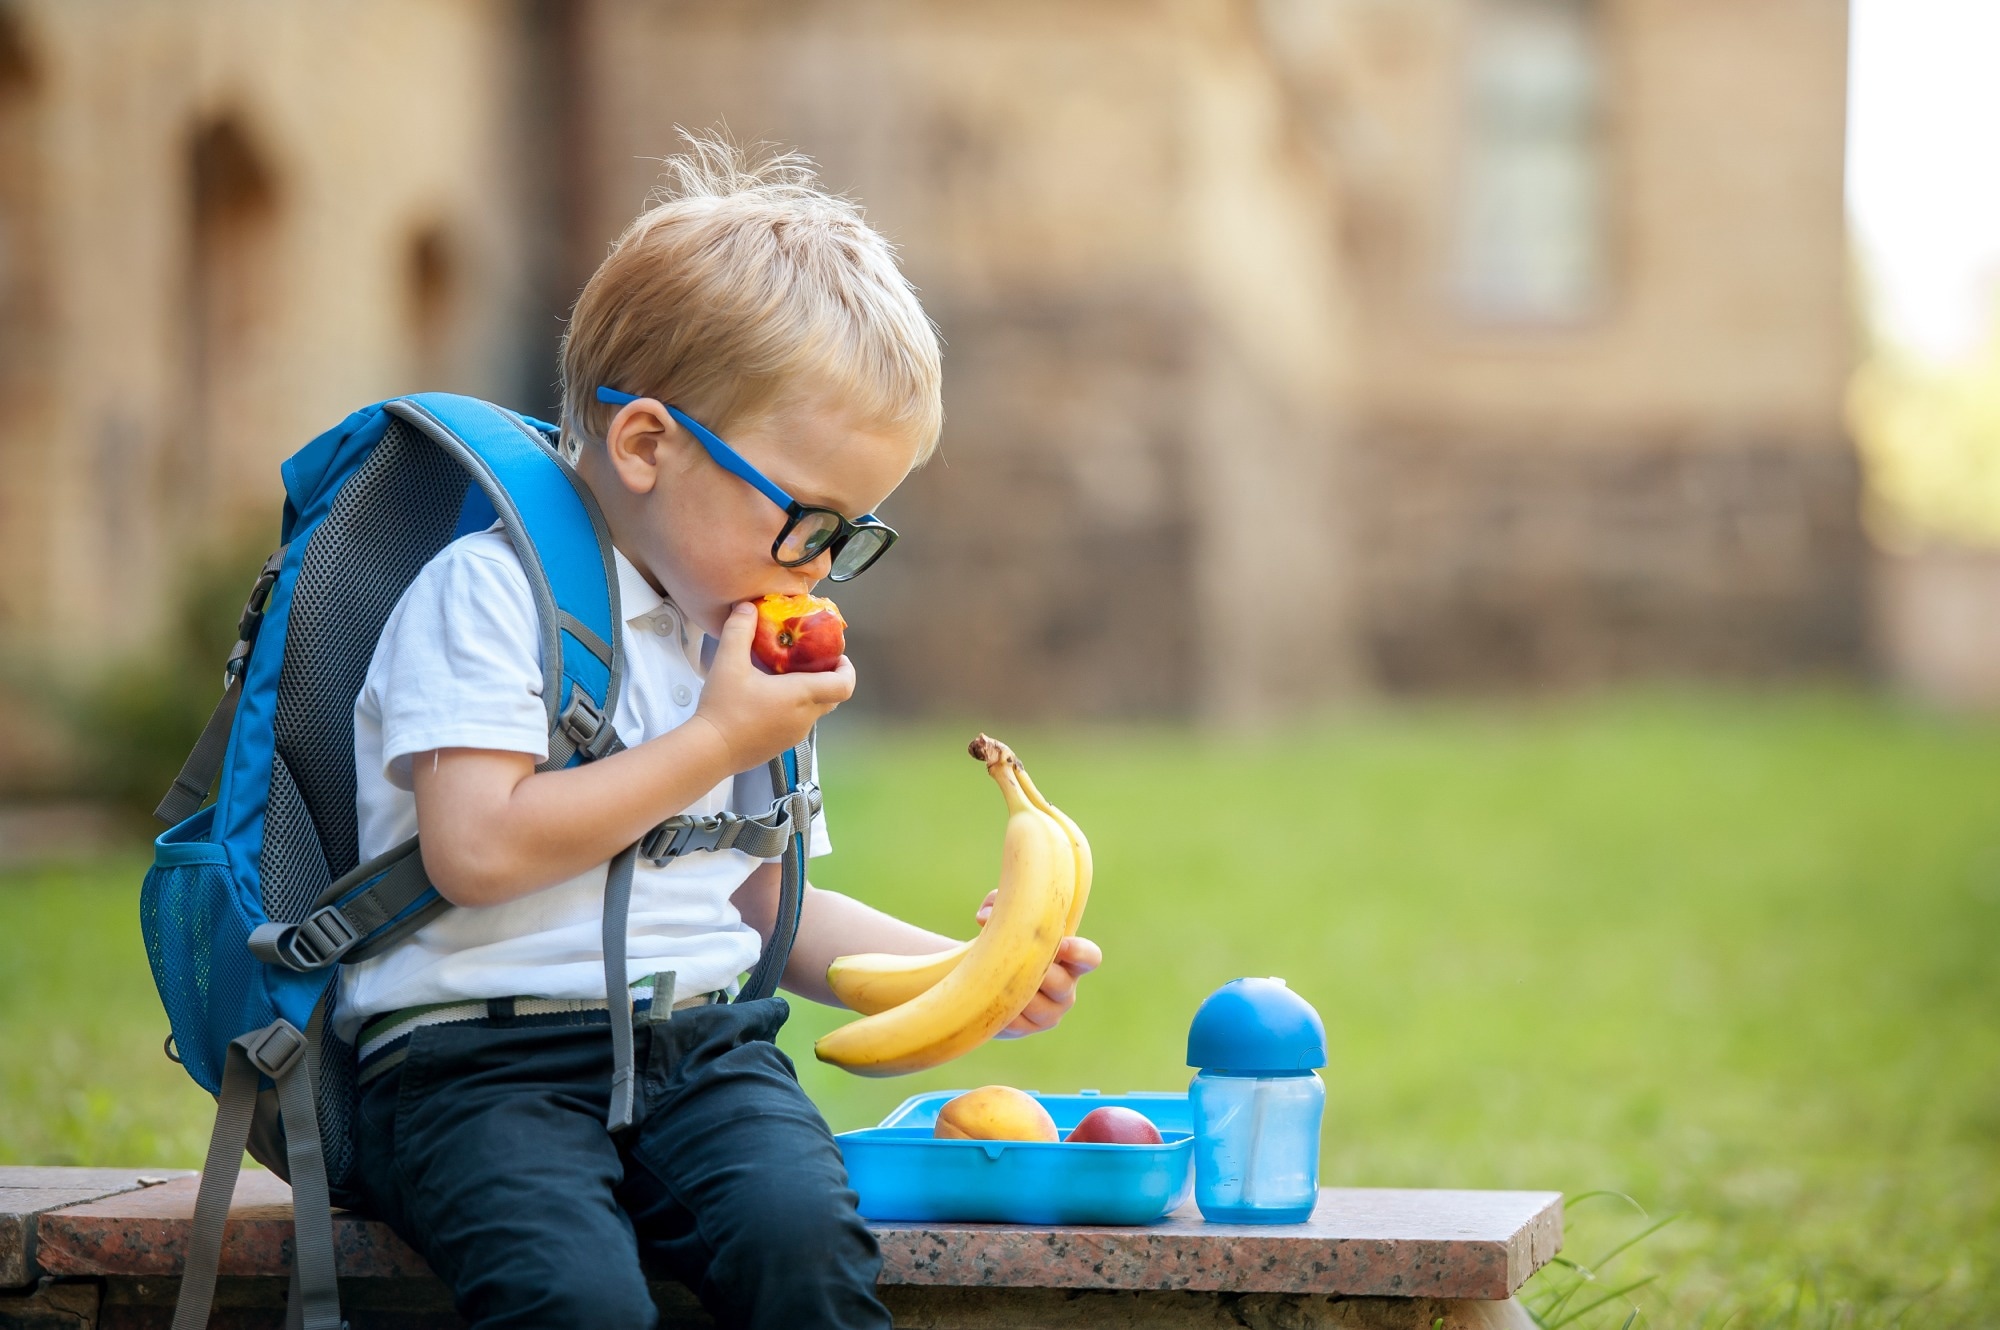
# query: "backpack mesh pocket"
{"type": "Point", "coordinates": [196, 940]}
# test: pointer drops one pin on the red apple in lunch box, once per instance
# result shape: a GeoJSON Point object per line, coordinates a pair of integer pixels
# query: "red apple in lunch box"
{"type": "Point", "coordinates": [1112, 1125]}
{"type": "Point", "coordinates": [798, 635]}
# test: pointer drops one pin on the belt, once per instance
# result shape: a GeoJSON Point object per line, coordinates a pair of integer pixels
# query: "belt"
{"type": "Point", "coordinates": [385, 1041]}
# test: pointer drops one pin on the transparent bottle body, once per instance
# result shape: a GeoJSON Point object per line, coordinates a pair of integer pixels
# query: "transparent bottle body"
{"type": "Point", "coordinates": [1256, 1146]}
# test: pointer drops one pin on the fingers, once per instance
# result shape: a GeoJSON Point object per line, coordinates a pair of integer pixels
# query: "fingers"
{"type": "Point", "coordinates": [1076, 957]}
{"type": "Point", "coordinates": [985, 910]}
{"type": "Point", "coordinates": [738, 629]}
{"type": "Point", "coordinates": [1079, 956]}
{"type": "Point", "coordinates": [1041, 1013]}
{"type": "Point", "coordinates": [829, 688]}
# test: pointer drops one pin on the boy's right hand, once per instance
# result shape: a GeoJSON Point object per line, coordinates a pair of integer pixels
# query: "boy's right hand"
{"type": "Point", "coordinates": [759, 715]}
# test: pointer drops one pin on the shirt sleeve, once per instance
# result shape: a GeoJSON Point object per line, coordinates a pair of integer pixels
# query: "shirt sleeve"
{"type": "Point", "coordinates": [459, 662]}
{"type": "Point", "coordinates": [751, 794]}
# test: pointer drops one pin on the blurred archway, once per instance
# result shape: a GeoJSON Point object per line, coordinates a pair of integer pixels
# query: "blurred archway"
{"type": "Point", "coordinates": [234, 275]}
{"type": "Point", "coordinates": [24, 316]}
{"type": "Point", "coordinates": [431, 295]}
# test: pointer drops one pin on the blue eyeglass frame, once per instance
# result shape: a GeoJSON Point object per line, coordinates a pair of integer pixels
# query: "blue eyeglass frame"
{"type": "Point", "coordinates": [739, 466]}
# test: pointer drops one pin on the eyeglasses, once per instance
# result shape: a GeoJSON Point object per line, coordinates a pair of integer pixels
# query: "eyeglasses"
{"type": "Point", "coordinates": [808, 532]}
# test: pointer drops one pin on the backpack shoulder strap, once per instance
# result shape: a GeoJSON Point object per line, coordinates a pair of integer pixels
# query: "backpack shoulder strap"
{"type": "Point", "coordinates": [791, 777]}
{"type": "Point", "coordinates": [564, 545]}
{"type": "Point", "coordinates": [565, 548]}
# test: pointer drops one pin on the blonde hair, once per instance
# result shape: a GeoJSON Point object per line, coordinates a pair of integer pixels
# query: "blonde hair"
{"type": "Point", "coordinates": [742, 288]}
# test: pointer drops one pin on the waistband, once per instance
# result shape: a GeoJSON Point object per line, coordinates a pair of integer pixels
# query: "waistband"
{"type": "Point", "coordinates": [385, 1041]}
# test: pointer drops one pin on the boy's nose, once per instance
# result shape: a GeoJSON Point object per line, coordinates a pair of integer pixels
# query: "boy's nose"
{"type": "Point", "coordinates": [817, 568]}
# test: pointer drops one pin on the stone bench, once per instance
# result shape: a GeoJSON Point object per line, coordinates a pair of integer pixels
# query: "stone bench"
{"type": "Point", "coordinates": [83, 1248]}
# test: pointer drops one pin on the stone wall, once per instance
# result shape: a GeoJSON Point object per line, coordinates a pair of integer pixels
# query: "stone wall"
{"type": "Point", "coordinates": [1134, 271]}
{"type": "Point", "coordinates": [1534, 567]}
{"type": "Point", "coordinates": [1220, 442]}
{"type": "Point", "coordinates": [1660, 483]}
{"type": "Point", "coordinates": [246, 220]}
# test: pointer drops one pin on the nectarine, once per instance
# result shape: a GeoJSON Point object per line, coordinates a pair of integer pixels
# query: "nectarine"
{"type": "Point", "coordinates": [798, 635]}
{"type": "Point", "coordinates": [1112, 1125]}
{"type": "Point", "coordinates": [995, 1113]}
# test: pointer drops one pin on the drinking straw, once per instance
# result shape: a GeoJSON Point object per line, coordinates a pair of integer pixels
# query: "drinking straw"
{"type": "Point", "coordinates": [1261, 1096]}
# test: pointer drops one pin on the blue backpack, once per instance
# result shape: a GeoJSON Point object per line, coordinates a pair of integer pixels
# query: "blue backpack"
{"type": "Point", "coordinates": [254, 900]}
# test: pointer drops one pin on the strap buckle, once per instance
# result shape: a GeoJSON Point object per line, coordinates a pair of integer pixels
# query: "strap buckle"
{"type": "Point", "coordinates": [789, 815]}
{"type": "Point", "coordinates": [252, 617]}
{"type": "Point", "coordinates": [275, 1049]}
{"type": "Point", "coordinates": [583, 721]}
{"type": "Point", "coordinates": [683, 834]}
{"type": "Point", "coordinates": [260, 594]}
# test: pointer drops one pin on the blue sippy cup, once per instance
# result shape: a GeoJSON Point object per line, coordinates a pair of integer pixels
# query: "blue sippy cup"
{"type": "Point", "coordinates": [1257, 1103]}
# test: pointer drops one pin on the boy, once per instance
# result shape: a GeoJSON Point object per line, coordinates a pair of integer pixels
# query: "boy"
{"type": "Point", "coordinates": [771, 314]}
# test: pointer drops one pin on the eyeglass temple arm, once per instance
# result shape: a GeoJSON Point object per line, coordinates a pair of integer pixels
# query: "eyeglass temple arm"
{"type": "Point", "coordinates": [725, 457]}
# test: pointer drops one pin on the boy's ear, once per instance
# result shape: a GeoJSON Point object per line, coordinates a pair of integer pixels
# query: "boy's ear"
{"type": "Point", "coordinates": [637, 443]}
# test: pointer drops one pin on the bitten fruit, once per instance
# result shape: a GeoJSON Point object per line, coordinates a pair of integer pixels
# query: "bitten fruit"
{"type": "Point", "coordinates": [1112, 1125]}
{"type": "Point", "coordinates": [798, 635]}
{"type": "Point", "coordinates": [994, 1113]}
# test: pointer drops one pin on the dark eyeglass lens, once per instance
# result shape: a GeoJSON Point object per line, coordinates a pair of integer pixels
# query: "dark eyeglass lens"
{"type": "Point", "coordinates": [860, 550]}
{"type": "Point", "coordinates": [808, 536]}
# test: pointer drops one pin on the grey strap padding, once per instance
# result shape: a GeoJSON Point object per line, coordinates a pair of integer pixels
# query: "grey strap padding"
{"type": "Point", "coordinates": [770, 968]}
{"type": "Point", "coordinates": [347, 920]}
{"type": "Point", "coordinates": [792, 813]}
{"type": "Point", "coordinates": [197, 776]}
{"type": "Point", "coordinates": [278, 1051]}
{"type": "Point", "coordinates": [577, 629]}
{"type": "Point", "coordinates": [218, 1184]}
{"type": "Point", "coordinates": [618, 998]}
{"type": "Point", "coordinates": [315, 1285]}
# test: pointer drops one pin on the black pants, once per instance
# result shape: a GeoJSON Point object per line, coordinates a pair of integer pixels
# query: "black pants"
{"type": "Point", "coordinates": [486, 1150]}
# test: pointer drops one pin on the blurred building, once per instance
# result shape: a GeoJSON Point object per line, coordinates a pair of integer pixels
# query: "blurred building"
{"type": "Point", "coordinates": [1294, 349]}
{"type": "Point", "coordinates": [227, 223]}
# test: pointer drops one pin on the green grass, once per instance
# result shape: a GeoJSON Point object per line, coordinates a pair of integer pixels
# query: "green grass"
{"type": "Point", "coordinates": [1731, 958]}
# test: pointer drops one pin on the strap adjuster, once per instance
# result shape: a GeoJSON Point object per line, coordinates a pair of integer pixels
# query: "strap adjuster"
{"type": "Point", "coordinates": [801, 804]}
{"type": "Point", "coordinates": [583, 721]}
{"type": "Point", "coordinates": [320, 939]}
{"type": "Point", "coordinates": [276, 1048]}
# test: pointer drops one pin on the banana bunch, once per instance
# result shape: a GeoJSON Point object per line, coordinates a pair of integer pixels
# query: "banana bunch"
{"type": "Point", "coordinates": [920, 1011]}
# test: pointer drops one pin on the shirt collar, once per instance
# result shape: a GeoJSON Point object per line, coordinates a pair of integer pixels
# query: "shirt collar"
{"type": "Point", "coordinates": [636, 597]}
{"type": "Point", "coordinates": [644, 607]}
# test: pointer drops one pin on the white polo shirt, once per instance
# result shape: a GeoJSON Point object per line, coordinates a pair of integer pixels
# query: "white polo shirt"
{"type": "Point", "coordinates": [458, 666]}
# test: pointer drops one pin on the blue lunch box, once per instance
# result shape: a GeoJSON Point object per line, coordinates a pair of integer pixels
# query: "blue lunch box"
{"type": "Point", "coordinates": [903, 1173]}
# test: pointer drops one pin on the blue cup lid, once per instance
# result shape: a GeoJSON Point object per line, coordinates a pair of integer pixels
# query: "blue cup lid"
{"type": "Point", "coordinates": [1256, 1025]}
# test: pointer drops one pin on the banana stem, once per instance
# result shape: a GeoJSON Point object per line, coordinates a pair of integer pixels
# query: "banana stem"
{"type": "Point", "coordinates": [992, 752]}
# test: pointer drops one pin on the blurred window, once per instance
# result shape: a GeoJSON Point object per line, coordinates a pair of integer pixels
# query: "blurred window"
{"type": "Point", "coordinates": [1530, 226]}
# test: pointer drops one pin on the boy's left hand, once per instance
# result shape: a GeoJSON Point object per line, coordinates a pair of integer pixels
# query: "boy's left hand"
{"type": "Point", "coordinates": [1075, 958]}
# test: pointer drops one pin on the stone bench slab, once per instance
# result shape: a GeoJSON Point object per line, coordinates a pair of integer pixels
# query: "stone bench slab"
{"type": "Point", "coordinates": [1375, 1243]}
{"type": "Point", "coordinates": [27, 1193]}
